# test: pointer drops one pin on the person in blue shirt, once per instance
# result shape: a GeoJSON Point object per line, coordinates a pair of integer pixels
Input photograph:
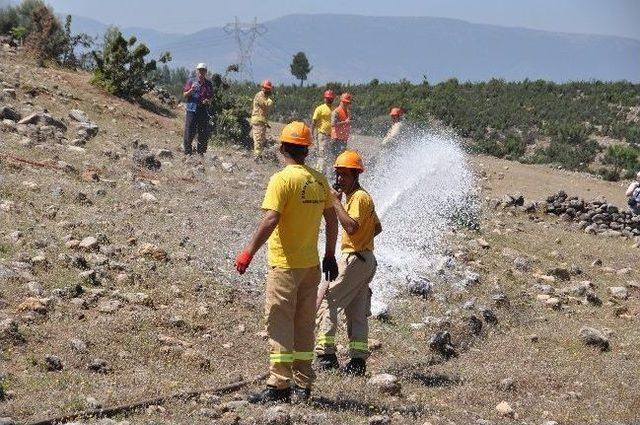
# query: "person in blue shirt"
{"type": "Point", "coordinates": [198, 93]}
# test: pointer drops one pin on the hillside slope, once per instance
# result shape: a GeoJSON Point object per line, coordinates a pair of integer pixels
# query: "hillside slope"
{"type": "Point", "coordinates": [152, 304]}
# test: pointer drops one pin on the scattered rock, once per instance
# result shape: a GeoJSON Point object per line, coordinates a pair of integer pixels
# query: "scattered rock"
{"type": "Point", "coordinates": [419, 285]}
{"type": "Point", "coordinates": [164, 154]}
{"type": "Point", "coordinates": [593, 337]}
{"type": "Point", "coordinates": [379, 420]}
{"type": "Point", "coordinates": [489, 316]}
{"type": "Point", "coordinates": [441, 343]}
{"type": "Point", "coordinates": [36, 305]}
{"type": "Point", "coordinates": [9, 331]}
{"type": "Point", "coordinates": [507, 384]}
{"type": "Point", "coordinates": [149, 197]}
{"type": "Point", "coordinates": [109, 307]}
{"type": "Point", "coordinates": [619, 292]}
{"type": "Point", "coordinates": [8, 113]}
{"type": "Point", "coordinates": [152, 251]}
{"type": "Point", "coordinates": [41, 118]}
{"type": "Point", "coordinates": [53, 363]}
{"type": "Point", "coordinates": [475, 325]}
{"type": "Point", "coordinates": [505, 410]}
{"type": "Point", "coordinates": [98, 366]}
{"type": "Point", "coordinates": [560, 273]}
{"type": "Point", "coordinates": [89, 243]}
{"type": "Point", "coordinates": [276, 415]}
{"type": "Point", "coordinates": [78, 115]}
{"type": "Point", "coordinates": [386, 383]}
{"type": "Point", "coordinates": [78, 345]}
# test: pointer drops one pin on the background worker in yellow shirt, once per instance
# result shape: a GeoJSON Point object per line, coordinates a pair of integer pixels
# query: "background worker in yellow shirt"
{"type": "Point", "coordinates": [350, 293]}
{"type": "Point", "coordinates": [321, 128]}
{"type": "Point", "coordinates": [261, 108]}
{"type": "Point", "coordinates": [297, 198]}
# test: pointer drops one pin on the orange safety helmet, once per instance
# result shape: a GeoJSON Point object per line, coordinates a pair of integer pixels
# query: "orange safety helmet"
{"type": "Point", "coordinates": [329, 94]}
{"type": "Point", "coordinates": [266, 84]}
{"type": "Point", "coordinates": [296, 133]}
{"type": "Point", "coordinates": [396, 112]}
{"type": "Point", "coordinates": [346, 98]}
{"type": "Point", "coordinates": [349, 159]}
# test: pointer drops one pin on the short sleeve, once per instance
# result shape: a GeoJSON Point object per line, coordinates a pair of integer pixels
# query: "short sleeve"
{"type": "Point", "coordinates": [276, 197]}
{"type": "Point", "coordinates": [316, 114]}
{"type": "Point", "coordinates": [187, 85]}
{"type": "Point", "coordinates": [328, 203]}
{"type": "Point", "coordinates": [360, 207]}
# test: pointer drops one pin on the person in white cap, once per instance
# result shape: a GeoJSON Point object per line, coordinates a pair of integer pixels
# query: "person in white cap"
{"type": "Point", "coordinates": [633, 193]}
{"type": "Point", "coordinates": [198, 93]}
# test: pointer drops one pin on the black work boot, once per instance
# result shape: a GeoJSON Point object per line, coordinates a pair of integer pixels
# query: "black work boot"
{"type": "Point", "coordinates": [326, 362]}
{"type": "Point", "coordinates": [355, 367]}
{"type": "Point", "coordinates": [299, 394]}
{"type": "Point", "coordinates": [271, 395]}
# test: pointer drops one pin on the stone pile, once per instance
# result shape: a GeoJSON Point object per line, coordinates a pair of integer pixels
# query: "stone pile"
{"type": "Point", "coordinates": [595, 217]}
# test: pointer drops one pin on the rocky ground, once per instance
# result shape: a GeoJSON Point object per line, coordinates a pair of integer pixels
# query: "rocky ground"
{"type": "Point", "coordinates": [117, 284]}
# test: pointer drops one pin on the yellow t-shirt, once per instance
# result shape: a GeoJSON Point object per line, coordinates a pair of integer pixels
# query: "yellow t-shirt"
{"type": "Point", "coordinates": [322, 119]}
{"type": "Point", "coordinates": [300, 194]}
{"type": "Point", "coordinates": [360, 208]}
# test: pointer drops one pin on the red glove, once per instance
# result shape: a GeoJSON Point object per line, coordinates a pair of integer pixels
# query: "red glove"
{"type": "Point", "coordinates": [242, 261]}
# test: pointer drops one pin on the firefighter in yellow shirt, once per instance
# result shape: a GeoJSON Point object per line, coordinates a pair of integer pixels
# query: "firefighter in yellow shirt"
{"type": "Point", "coordinates": [297, 198]}
{"type": "Point", "coordinates": [261, 108]}
{"type": "Point", "coordinates": [350, 293]}
{"type": "Point", "coordinates": [321, 128]}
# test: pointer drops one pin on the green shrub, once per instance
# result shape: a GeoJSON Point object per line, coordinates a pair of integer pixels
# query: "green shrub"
{"type": "Point", "coordinates": [121, 66]}
{"type": "Point", "coordinates": [622, 157]}
{"type": "Point", "coordinates": [609, 174]}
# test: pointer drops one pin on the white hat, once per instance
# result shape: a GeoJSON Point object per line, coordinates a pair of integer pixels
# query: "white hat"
{"type": "Point", "coordinates": [201, 66]}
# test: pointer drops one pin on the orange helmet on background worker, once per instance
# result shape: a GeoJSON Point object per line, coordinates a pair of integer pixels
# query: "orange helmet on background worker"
{"type": "Point", "coordinates": [329, 95]}
{"type": "Point", "coordinates": [345, 98]}
{"type": "Point", "coordinates": [266, 85]}
{"type": "Point", "coordinates": [396, 112]}
{"type": "Point", "coordinates": [349, 159]}
{"type": "Point", "coordinates": [296, 133]}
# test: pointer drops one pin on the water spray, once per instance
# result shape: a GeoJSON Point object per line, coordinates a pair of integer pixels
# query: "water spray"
{"type": "Point", "coordinates": [420, 185]}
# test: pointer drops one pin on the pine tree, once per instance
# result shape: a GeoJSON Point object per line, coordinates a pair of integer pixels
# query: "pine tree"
{"type": "Point", "coordinates": [300, 67]}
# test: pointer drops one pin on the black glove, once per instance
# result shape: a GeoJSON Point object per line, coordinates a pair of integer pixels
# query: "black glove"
{"type": "Point", "coordinates": [330, 268]}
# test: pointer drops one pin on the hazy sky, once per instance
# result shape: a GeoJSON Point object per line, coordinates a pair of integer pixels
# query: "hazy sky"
{"type": "Point", "coordinates": [614, 17]}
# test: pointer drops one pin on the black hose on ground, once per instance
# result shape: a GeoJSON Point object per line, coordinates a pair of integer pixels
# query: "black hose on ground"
{"type": "Point", "coordinates": [111, 411]}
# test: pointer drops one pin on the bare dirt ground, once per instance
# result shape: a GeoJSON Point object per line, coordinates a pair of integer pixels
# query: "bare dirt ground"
{"type": "Point", "coordinates": [145, 325]}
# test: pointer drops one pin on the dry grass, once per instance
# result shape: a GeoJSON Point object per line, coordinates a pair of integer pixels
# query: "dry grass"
{"type": "Point", "coordinates": [555, 378]}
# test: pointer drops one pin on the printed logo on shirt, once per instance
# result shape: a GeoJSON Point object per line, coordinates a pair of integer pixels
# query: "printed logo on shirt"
{"type": "Point", "coordinates": [313, 192]}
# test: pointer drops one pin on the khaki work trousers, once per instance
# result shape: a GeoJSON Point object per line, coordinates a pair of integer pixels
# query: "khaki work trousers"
{"type": "Point", "coordinates": [291, 312]}
{"type": "Point", "coordinates": [350, 294]}
{"type": "Point", "coordinates": [259, 133]}
{"type": "Point", "coordinates": [323, 164]}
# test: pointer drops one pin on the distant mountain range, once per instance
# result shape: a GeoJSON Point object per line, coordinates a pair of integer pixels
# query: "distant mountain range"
{"type": "Point", "coordinates": [352, 48]}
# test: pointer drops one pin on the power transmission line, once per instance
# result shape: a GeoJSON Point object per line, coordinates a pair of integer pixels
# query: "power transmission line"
{"type": "Point", "coordinates": [245, 35]}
